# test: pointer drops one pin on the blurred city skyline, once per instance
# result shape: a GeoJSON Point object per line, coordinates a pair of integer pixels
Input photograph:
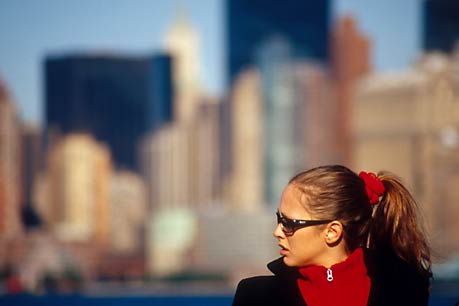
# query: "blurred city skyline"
{"type": "Point", "coordinates": [121, 28]}
{"type": "Point", "coordinates": [170, 129]}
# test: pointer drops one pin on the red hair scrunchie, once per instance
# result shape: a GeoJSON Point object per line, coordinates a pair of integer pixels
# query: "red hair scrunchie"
{"type": "Point", "coordinates": [373, 186]}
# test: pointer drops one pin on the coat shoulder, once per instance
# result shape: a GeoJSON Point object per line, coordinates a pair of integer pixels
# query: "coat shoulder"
{"type": "Point", "coordinates": [258, 290]}
{"type": "Point", "coordinates": [268, 291]}
{"type": "Point", "coordinates": [395, 282]}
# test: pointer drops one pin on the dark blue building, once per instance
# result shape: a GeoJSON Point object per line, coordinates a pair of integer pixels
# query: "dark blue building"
{"type": "Point", "coordinates": [303, 23]}
{"type": "Point", "coordinates": [252, 25]}
{"type": "Point", "coordinates": [117, 99]}
{"type": "Point", "coordinates": [441, 25]}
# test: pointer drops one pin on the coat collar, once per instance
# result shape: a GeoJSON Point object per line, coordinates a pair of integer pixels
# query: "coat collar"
{"type": "Point", "coordinates": [390, 276]}
{"type": "Point", "coordinates": [279, 268]}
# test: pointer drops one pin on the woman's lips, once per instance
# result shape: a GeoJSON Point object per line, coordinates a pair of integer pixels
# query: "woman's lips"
{"type": "Point", "coordinates": [283, 250]}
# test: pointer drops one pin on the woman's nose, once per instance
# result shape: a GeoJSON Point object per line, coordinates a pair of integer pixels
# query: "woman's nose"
{"type": "Point", "coordinates": [278, 232]}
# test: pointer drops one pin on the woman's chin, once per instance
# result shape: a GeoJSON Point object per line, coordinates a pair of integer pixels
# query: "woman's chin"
{"type": "Point", "coordinates": [289, 262]}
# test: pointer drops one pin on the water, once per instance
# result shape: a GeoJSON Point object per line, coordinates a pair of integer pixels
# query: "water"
{"type": "Point", "coordinates": [442, 294]}
{"type": "Point", "coordinates": [226, 300]}
{"type": "Point", "coordinates": [76, 300]}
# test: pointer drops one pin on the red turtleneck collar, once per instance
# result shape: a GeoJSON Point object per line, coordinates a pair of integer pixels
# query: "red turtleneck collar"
{"type": "Point", "coordinates": [345, 283]}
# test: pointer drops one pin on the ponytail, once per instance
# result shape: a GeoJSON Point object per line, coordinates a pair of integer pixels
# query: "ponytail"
{"type": "Point", "coordinates": [376, 210]}
{"type": "Point", "coordinates": [396, 224]}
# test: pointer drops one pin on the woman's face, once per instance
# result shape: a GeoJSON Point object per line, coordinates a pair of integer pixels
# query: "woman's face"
{"type": "Point", "coordinates": [306, 246]}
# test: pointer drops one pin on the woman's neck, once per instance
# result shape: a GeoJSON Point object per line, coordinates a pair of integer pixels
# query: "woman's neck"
{"type": "Point", "coordinates": [333, 256]}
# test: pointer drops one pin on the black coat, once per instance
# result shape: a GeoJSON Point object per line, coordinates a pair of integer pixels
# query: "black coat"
{"type": "Point", "coordinates": [393, 282]}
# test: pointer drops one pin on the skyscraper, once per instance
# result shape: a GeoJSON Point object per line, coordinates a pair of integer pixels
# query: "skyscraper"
{"type": "Point", "coordinates": [179, 163]}
{"type": "Point", "coordinates": [282, 147]}
{"type": "Point", "coordinates": [304, 24]}
{"type": "Point", "coordinates": [247, 180]}
{"type": "Point", "coordinates": [350, 60]}
{"type": "Point", "coordinates": [117, 99]}
{"type": "Point", "coordinates": [182, 43]}
{"type": "Point", "coordinates": [77, 207]}
{"type": "Point", "coordinates": [272, 36]}
{"type": "Point", "coordinates": [441, 25]}
{"type": "Point", "coordinates": [316, 126]}
{"type": "Point", "coordinates": [128, 213]}
{"type": "Point", "coordinates": [180, 160]}
{"type": "Point", "coordinates": [10, 167]}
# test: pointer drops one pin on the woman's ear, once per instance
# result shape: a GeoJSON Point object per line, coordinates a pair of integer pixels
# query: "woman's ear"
{"type": "Point", "coordinates": [333, 232]}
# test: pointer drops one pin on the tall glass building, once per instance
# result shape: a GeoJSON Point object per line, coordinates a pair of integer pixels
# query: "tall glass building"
{"type": "Point", "coordinates": [117, 99]}
{"type": "Point", "coordinates": [275, 36]}
{"type": "Point", "coordinates": [283, 141]}
{"type": "Point", "coordinates": [441, 25]}
{"type": "Point", "coordinates": [304, 23]}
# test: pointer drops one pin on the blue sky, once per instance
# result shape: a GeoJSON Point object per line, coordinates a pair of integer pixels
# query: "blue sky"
{"type": "Point", "coordinates": [29, 30]}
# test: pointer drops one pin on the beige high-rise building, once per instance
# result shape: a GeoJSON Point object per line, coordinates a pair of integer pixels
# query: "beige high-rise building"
{"type": "Point", "coordinates": [76, 205]}
{"type": "Point", "coordinates": [207, 178]}
{"type": "Point", "coordinates": [128, 213]}
{"type": "Point", "coordinates": [10, 168]}
{"type": "Point", "coordinates": [246, 183]}
{"type": "Point", "coordinates": [166, 160]}
{"type": "Point", "coordinates": [182, 42]}
{"type": "Point", "coordinates": [316, 116]}
{"type": "Point", "coordinates": [408, 123]}
{"type": "Point", "coordinates": [180, 167]}
{"type": "Point", "coordinates": [125, 252]}
{"type": "Point", "coordinates": [180, 163]}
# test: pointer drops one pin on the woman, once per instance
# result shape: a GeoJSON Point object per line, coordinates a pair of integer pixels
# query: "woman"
{"type": "Point", "coordinates": [345, 239]}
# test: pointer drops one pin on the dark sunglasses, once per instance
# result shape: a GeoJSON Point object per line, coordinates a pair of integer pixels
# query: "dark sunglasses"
{"type": "Point", "coordinates": [289, 226]}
